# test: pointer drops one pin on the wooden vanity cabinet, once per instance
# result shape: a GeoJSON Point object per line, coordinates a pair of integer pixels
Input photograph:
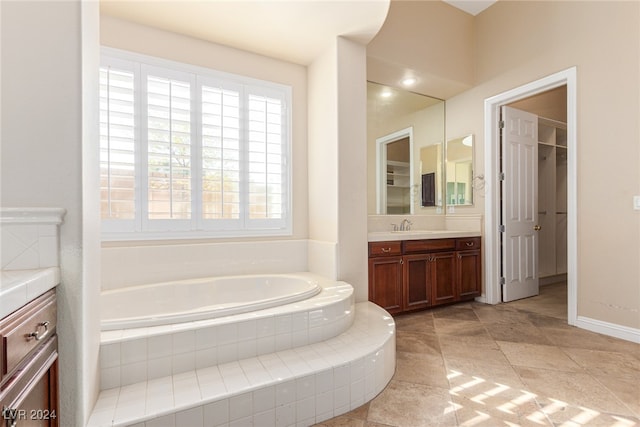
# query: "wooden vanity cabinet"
{"type": "Point", "coordinates": [385, 275]}
{"type": "Point", "coordinates": [29, 365]}
{"type": "Point", "coordinates": [469, 268]}
{"type": "Point", "coordinates": [417, 274]}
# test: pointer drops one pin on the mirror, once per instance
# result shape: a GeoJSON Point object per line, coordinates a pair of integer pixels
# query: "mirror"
{"type": "Point", "coordinates": [459, 171]}
{"type": "Point", "coordinates": [395, 173]}
{"type": "Point", "coordinates": [405, 134]}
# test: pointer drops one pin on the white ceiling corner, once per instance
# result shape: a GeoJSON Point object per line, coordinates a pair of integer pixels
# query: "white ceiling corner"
{"type": "Point", "coordinates": [472, 7]}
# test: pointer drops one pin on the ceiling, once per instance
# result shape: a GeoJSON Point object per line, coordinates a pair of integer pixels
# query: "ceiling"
{"type": "Point", "coordinates": [290, 30]}
{"type": "Point", "coordinates": [295, 31]}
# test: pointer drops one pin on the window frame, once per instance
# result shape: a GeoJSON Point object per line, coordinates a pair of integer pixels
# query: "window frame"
{"type": "Point", "coordinates": [197, 227]}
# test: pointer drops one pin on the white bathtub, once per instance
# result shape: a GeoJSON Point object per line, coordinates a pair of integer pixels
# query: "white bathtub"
{"type": "Point", "coordinates": [198, 299]}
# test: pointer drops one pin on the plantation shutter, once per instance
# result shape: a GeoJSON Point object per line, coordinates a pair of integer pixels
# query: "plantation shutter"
{"type": "Point", "coordinates": [117, 143]}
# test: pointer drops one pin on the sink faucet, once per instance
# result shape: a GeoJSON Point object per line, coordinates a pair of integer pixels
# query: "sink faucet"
{"type": "Point", "coordinates": [405, 225]}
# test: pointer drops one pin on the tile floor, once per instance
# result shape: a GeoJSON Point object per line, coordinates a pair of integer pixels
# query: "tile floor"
{"type": "Point", "coordinates": [516, 364]}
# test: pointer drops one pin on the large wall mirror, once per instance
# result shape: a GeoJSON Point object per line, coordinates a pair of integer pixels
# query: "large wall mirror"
{"type": "Point", "coordinates": [405, 134]}
{"type": "Point", "coordinates": [459, 171]}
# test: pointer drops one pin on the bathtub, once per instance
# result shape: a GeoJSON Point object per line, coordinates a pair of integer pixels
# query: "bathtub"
{"type": "Point", "coordinates": [197, 299]}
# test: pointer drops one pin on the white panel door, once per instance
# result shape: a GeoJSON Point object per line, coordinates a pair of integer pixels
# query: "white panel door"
{"type": "Point", "coordinates": [519, 204]}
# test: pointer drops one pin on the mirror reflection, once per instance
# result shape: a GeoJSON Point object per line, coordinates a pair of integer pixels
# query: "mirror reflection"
{"type": "Point", "coordinates": [405, 134]}
{"type": "Point", "coordinates": [395, 176]}
{"type": "Point", "coordinates": [459, 171]}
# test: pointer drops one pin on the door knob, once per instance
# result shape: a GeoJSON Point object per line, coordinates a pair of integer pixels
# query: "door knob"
{"type": "Point", "coordinates": [537, 228]}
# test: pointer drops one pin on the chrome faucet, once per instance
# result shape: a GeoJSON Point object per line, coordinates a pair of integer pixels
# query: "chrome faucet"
{"type": "Point", "coordinates": [405, 225]}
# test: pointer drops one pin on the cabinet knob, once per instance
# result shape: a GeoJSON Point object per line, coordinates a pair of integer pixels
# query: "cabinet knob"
{"type": "Point", "coordinates": [537, 228]}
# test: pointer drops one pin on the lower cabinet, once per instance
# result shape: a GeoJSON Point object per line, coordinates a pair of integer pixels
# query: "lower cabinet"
{"type": "Point", "coordinates": [29, 365]}
{"type": "Point", "coordinates": [417, 274]}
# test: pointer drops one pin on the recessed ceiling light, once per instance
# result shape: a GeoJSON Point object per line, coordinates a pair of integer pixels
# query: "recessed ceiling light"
{"type": "Point", "coordinates": [385, 93]}
{"type": "Point", "coordinates": [409, 81]}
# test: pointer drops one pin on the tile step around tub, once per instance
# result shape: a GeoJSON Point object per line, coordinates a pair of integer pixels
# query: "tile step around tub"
{"type": "Point", "coordinates": [295, 387]}
{"type": "Point", "coordinates": [131, 356]}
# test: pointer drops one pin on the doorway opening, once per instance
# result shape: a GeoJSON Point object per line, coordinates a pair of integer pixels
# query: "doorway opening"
{"type": "Point", "coordinates": [493, 210]}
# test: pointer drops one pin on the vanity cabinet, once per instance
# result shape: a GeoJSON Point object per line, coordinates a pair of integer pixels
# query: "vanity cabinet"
{"type": "Point", "coordinates": [417, 274]}
{"type": "Point", "coordinates": [386, 275]}
{"type": "Point", "coordinates": [29, 364]}
{"type": "Point", "coordinates": [468, 268]}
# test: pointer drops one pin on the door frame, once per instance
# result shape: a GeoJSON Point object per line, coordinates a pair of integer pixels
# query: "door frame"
{"type": "Point", "coordinates": [492, 106]}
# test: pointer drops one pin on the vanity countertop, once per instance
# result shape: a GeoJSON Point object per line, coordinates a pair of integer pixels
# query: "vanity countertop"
{"type": "Point", "coordinates": [18, 287]}
{"type": "Point", "coordinates": [382, 236]}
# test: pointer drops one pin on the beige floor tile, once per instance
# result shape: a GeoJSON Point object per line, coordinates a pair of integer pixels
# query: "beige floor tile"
{"type": "Point", "coordinates": [456, 312]}
{"type": "Point", "coordinates": [412, 405]}
{"type": "Point", "coordinates": [417, 342]}
{"type": "Point", "coordinates": [471, 348]}
{"type": "Point", "coordinates": [574, 416]}
{"type": "Point", "coordinates": [544, 321]}
{"type": "Point", "coordinates": [625, 389]}
{"type": "Point", "coordinates": [573, 337]}
{"type": "Point", "coordinates": [538, 356]}
{"type": "Point", "coordinates": [571, 389]}
{"type": "Point", "coordinates": [342, 421]}
{"type": "Point", "coordinates": [515, 364]}
{"type": "Point", "coordinates": [421, 369]}
{"type": "Point", "coordinates": [463, 328]}
{"type": "Point", "coordinates": [469, 376]}
{"type": "Point", "coordinates": [514, 409]}
{"type": "Point", "coordinates": [613, 364]}
{"type": "Point", "coordinates": [417, 322]}
{"type": "Point", "coordinates": [517, 332]}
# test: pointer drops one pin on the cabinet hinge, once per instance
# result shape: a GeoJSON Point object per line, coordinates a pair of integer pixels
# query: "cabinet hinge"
{"type": "Point", "coordinates": [502, 281]}
{"type": "Point", "coordinates": [501, 124]}
{"type": "Point", "coordinates": [501, 228]}
{"type": "Point", "coordinates": [501, 176]}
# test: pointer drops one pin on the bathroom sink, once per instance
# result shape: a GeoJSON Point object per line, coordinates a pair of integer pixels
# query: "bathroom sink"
{"type": "Point", "coordinates": [381, 236]}
{"type": "Point", "coordinates": [412, 231]}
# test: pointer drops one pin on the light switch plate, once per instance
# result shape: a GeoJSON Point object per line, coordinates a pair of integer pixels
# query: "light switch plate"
{"type": "Point", "coordinates": [636, 203]}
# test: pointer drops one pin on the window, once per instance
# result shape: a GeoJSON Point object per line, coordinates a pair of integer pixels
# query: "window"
{"type": "Point", "coordinates": [186, 151]}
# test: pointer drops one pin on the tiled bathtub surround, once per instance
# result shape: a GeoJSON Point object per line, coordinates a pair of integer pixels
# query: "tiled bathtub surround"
{"type": "Point", "coordinates": [134, 355]}
{"type": "Point", "coordinates": [294, 387]}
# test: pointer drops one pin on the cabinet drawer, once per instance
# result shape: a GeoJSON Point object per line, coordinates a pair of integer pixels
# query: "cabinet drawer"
{"type": "Point", "coordinates": [385, 248]}
{"type": "Point", "coordinates": [468, 243]}
{"type": "Point", "coordinates": [412, 246]}
{"type": "Point", "coordinates": [24, 330]}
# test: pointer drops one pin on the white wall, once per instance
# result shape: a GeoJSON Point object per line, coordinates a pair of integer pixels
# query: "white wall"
{"type": "Point", "coordinates": [337, 165]}
{"type": "Point", "coordinates": [352, 166]}
{"type": "Point", "coordinates": [43, 132]}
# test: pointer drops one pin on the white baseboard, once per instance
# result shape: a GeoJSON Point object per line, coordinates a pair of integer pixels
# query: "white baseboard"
{"type": "Point", "coordinates": [610, 329]}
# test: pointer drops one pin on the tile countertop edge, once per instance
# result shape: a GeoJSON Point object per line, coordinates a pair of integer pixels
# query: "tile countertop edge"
{"type": "Point", "coordinates": [19, 287]}
{"type": "Point", "coordinates": [383, 236]}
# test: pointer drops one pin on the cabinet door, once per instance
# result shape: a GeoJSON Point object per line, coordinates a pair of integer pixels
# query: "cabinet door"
{"type": "Point", "coordinates": [38, 408]}
{"type": "Point", "coordinates": [30, 397]}
{"type": "Point", "coordinates": [469, 274]}
{"type": "Point", "coordinates": [417, 278]}
{"type": "Point", "coordinates": [443, 285]}
{"type": "Point", "coordinates": [385, 283]}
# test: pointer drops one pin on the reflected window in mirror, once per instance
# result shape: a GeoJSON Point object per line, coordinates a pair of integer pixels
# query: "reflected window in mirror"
{"type": "Point", "coordinates": [459, 171]}
{"type": "Point", "coordinates": [395, 185]}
